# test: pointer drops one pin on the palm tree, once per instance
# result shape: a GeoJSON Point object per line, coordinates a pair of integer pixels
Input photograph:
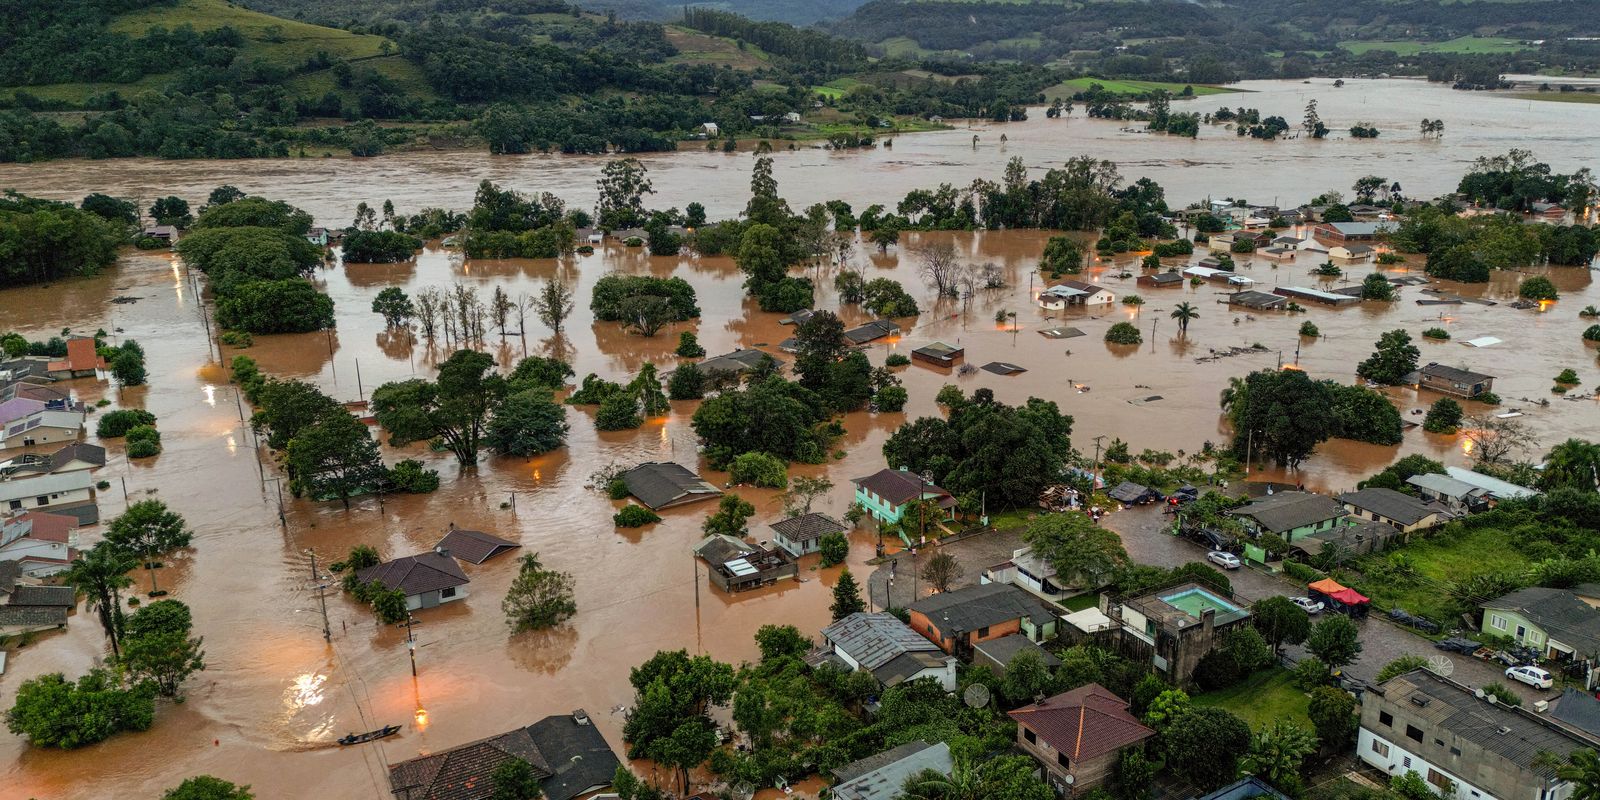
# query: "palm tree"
{"type": "Point", "coordinates": [1573, 463]}
{"type": "Point", "coordinates": [101, 574]}
{"type": "Point", "coordinates": [1184, 312]}
{"type": "Point", "coordinates": [962, 783]}
{"type": "Point", "coordinates": [1584, 772]}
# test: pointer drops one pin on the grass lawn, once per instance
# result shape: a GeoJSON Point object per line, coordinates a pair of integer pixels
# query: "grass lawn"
{"type": "Point", "coordinates": [1082, 601]}
{"type": "Point", "coordinates": [1559, 97]}
{"type": "Point", "coordinates": [1267, 695]}
{"type": "Point", "coordinates": [1441, 560]}
{"type": "Point", "coordinates": [1069, 87]}
{"type": "Point", "coordinates": [1463, 44]}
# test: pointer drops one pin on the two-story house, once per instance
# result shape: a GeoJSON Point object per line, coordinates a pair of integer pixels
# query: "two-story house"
{"type": "Point", "coordinates": [885, 493]}
{"type": "Point", "coordinates": [41, 543]}
{"type": "Point", "coordinates": [960, 619]}
{"type": "Point", "coordinates": [1174, 628]}
{"type": "Point", "coordinates": [1405, 513]}
{"type": "Point", "coordinates": [1464, 743]}
{"type": "Point", "coordinates": [1076, 736]}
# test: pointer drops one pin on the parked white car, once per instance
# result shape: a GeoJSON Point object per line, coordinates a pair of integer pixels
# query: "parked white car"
{"type": "Point", "coordinates": [1533, 676]}
{"type": "Point", "coordinates": [1307, 605]}
{"type": "Point", "coordinates": [1224, 559]}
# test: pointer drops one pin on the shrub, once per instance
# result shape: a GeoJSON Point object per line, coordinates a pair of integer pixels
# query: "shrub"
{"type": "Point", "coordinates": [890, 399]}
{"type": "Point", "coordinates": [1488, 398]}
{"type": "Point", "coordinates": [617, 489]}
{"type": "Point", "coordinates": [759, 469]}
{"type": "Point", "coordinates": [1592, 333]}
{"type": "Point", "coordinates": [411, 477]}
{"type": "Point", "coordinates": [117, 423]}
{"type": "Point", "coordinates": [632, 516]}
{"type": "Point", "coordinates": [1302, 573]}
{"type": "Point", "coordinates": [1568, 377]}
{"type": "Point", "coordinates": [1436, 333]}
{"type": "Point", "coordinates": [1537, 288]}
{"type": "Point", "coordinates": [834, 547]}
{"type": "Point", "coordinates": [686, 382]}
{"type": "Point", "coordinates": [1309, 673]}
{"type": "Point", "coordinates": [1132, 300]}
{"type": "Point", "coordinates": [896, 360]}
{"type": "Point", "coordinates": [240, 339]}
{"type": "Point", "coordinates": [689, 346]}
{"type": "Point", "coordinates": [1391, 258]}
{"type": "Point", "coordinates": [143, 441]}
{"type": "Point", "coordinates": [1503, 693]}
{"type": "Point", "coordinates": [1309, 328]}
{"type": "Point", "coordinates": [618, 412]}
{"type": "Point", "coordinates": [1589, 312]}
{"type": "Point", "coordinates": [1123, 333]}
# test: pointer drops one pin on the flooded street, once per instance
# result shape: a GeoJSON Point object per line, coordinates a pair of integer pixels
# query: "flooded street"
{"type": "Point", "coordinates": [275, 695]}
{"type": "Point", "coordinates": [1217, 164]}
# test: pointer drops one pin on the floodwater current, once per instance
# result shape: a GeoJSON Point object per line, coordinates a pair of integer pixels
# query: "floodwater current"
{"type": "Point", "coordinates": [274, 697]}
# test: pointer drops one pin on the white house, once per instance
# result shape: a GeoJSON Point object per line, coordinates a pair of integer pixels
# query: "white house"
{"type": "Point", "coordinates": [1218, 276]}
{"type": "Point", "coordinates": [710, 128]}
{"type": "Point", "coordinates": [881, 644]}
{"type": "Point", "coordinates": [1350, 252]}
{"type": "Point", "coordinates": [42, 544]}
{"type": "Point", "coordinates": [59, 492]}
{"type": "Point", "coordinates": [1074, 293]}
{"type": "Point", "coordinates": [25, 422]}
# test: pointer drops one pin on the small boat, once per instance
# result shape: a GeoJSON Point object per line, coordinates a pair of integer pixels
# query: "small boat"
{"type": "Point", "coordinates": [369, 736]}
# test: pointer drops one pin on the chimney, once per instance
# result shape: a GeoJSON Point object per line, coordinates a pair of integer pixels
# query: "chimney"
{"type": "Point", "coordinates": [443, 551]}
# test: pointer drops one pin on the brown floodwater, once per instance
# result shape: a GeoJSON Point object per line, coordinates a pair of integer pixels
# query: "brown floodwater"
{"type": "Point", "coordinates": [275, 695]}
{"type": "Point", "coordinates": [1218, 163]}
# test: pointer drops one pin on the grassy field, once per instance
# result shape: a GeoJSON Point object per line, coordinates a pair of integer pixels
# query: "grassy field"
{"type": "Point", "coordinates": [1559, 97]}
{"type": "Point", "coordinates": [1267, 695]}
{"type": "Point", "coordinates": [836, 87]}
{"type": "Point", "coordinates": [1082, 601]}
{"type": "Point", "coordinates": [699, 48]}
{"type": "Point", "coordinates": [280, 42]}
{"type": "Point", "coordinates": [1439, 561]}
{"type": "Point", "coordinates": [1069, 87]}
{"type": "Point", "coordinates": [1464, 44]}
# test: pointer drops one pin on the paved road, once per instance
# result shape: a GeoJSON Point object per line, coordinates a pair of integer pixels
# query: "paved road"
{"type": "Point", "coordinates": [1143, 534]}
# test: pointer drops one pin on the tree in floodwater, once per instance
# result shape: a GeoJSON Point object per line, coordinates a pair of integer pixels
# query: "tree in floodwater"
{"type": "Point", "coordinates": [554, 304]}
{"type": "Point", "coordinates": [101, 573]}
{"type": "Point", "coordinates": [538, 597]}
{"type": "Point", "coordinates": [454, 408]}
{"type": "Point", "coordinates": [148, 529]}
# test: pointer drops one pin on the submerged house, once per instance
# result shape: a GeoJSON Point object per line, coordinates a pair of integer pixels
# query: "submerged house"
{"type": "Point", "coordinates": [803, 534]}
{"type": "Point", "coordinates": [664, 484]}
{"type": "Point", "coordinates": [1451, 380]}
{"type": "Point", "coordinates": [426, 579]}
{"type": "Point", "coordinates": [569, 756]}
{"type": "Point", "coordinates": [736, 565]}
{"type": "Point", "coordinates": [737, 362]}
{"type": "Point", "coordinates": [938, 354]}
{"type": "Point", "coordinates": [474, 547]}
{"type": "Point", "coordinates": [25, 422]}
{"type": "Point", "coordinates": [881, 644]}
{"type": "Point", "coordinates": [41, 544]}
{"type": "Point", "coordinates": [1161, 280]}
{"type": "Point", "coordinates": [1074, 293]}
{"type": "Point", "coordinates": [83, 361]}
{"type": "Point", "coordinates": [885, 493]}
{"type": "Point", "coordinates": [70, 493]}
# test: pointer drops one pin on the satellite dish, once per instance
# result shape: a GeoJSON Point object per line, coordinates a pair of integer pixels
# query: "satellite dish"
{"type": "Point", "coordinates": [743, 791]}
{"type": "Point", "coordinates": [1441, 665]}
{"type": "Point", "coordinates": [976, 696]}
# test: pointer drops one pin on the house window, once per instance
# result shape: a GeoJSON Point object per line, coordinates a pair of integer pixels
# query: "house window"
{"type": "Point", "coordinates": [1061, 758]}
{"type": "Point", "coordinates": [449, 591]}
{"type": "Point", "coordinates": [1455, 751]}
{"type": "Point", "coordinates": [1406, 762]}
{"type": "Point", "coordinates": [1441, 780]}
{"type": "Point", "coordinates": [1386, 718]}
{"type": "Point", "coordinates": [42, 500]}
{"type": "Point", "coordinates": [1030, 736]}
{"type": "Point", "coordinates": [1438, 743]}
{"type": "Point", "coordinates": [16, 504]}
{"type": "Point", "coordinates": [983, 631]}
{"type": "Point", "coordinates": [1414, 733]}
{"type": "Point", "coordinates": [1521, 631]}
{"type": "Point", "coordinates": [1497, 622]}
{"type": "Point", "coordinates": [1381, 748]}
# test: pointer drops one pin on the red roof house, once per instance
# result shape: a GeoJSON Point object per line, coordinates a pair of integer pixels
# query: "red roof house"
{"type": "Point", "coordinates": [1076, 736]}
{"type": "Point", "coordinates": [82, 361]}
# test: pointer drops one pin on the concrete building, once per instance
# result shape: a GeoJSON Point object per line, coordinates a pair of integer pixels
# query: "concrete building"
{"type": "Point", "coordinates": [1463, 743]}
{"type": "Point", "coordinates": [41, 544]}
{"type": "Point", "coordinates": [25, 422]}
{"type": "Point", "coordinates": [1076, 736]}
{"type": "Point", "coordinates": [1172, 629]}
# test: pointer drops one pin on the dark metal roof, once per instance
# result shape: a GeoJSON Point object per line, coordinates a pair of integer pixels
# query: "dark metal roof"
{"type": "Point", "coordinates": [660, 484]}
{"type": "Point", "coordinates": [1128, 492]}
{"type": "Point", "coordinates": [882, 776]}
{"type": "Point", "coordinates": [577, 755]}
{"type": "Point", "coordinates": [1400, 507]}
{"type": "Point", "coordinates": [474, 546]}
{"type": "Point", "coordinates": [874, 640]}
{"type": "Point", "coordinates": [1454, 374]}
{"type": "Point", "coordinates": [897, 486]}
{"type": "Point", "coordinates": [1005, 648]}
{"type": "Point", "coordinates": [806, 527]}
{"type": "Point", "coordinates": [876, 329]}
{"type": "Point", "coordinates": [418, 574]}
{"type": "Point", "coordinates": [979, 606]}
{"type": "Point", "coordinates": [1513, 734]}
{"type": "Point", "coordinates": [1286, 511]}
{"type": "Point", "coordinates": [1578, 709]}
{"type": "Point", "coordinates": [1255, 299]}
{"type": "Point", "coordinates": [736, 361]}
{"type": "Point", "coordinates": [1559, 612]}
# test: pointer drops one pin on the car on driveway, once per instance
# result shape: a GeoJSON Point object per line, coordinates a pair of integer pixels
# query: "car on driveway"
{"type": "Point", "coordinates": [1307, 605]}
{"type": "Point", "coordinates": [1533, 676]}
{"type": "Point", "coordinates": [1224, 559]}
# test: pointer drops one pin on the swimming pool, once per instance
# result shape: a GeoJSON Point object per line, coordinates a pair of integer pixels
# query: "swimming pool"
{"type": "Point", "coordinates": [1194, 602]}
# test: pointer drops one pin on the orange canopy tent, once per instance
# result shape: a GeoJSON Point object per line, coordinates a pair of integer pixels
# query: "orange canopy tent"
{"type": "Point", "coordinates": [1327, 586]}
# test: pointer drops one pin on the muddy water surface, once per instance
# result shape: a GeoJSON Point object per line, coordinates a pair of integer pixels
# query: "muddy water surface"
{"type": "Point", "coordinates": [275, 695]}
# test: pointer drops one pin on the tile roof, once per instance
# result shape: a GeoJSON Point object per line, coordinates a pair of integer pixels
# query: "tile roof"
{"type": "Point", "coordinates": [54, 596]}
{"type": "Point", "coordinates": [1286, 511]}
{"type": "Point", "coordinates": [418, 574]}
{"type": "Point", "coordinates": [474, 546]}
{"type": "Point", "coordinates": [570, 759]}
{"type": "Point", "coordinates": [81, 356]}
{"type": "Point", "coordinates": [979, 606]}
{"type": "Point", "coordinates": [881, 776]}
{"type": "Point", "coordinates": [897, 486]}
{"type": "Point", "coordinates": [806, 527]}
{"type": "Point", "coordinates": [660, 484]}
{"type": "Point", "coordinates": [47, 527]}
{"type": "Point", "coordinates": [873, 640]}
{"type": "Point", "coordinates": [1085, 723]}
{"type": "Point", "coordinates": [30, 616]}
{"type": "Point", "coordinates": [1559, 612]}
{"type": "Point", "coordinates": [1398, 506]}
{"type": "Point", "coordinates": [1513, 734]}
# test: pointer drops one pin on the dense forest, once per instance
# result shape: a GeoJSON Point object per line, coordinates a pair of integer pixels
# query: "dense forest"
{"type": "Point", "coordinates": [370, 11]}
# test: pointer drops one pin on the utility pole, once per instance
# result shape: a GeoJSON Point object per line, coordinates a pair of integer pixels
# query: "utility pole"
{"type": "Point", "coordinates": [513, 503]}
{"type": "Point", "coordinates": [1097, 441]}
{"type": "Point", "coordinates": [322, 598]}
{"type": "Point", "coordinates": [411, 644]}
{"type": "Point", "coordinates": [361, 393]}
{"type": "Point", "coordinates": [125, 500]}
